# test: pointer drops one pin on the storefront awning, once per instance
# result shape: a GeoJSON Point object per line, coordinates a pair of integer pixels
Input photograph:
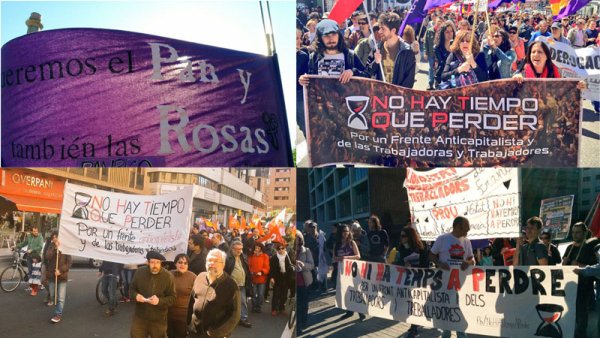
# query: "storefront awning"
{"type": "Point", "coordinates": [36, 204]}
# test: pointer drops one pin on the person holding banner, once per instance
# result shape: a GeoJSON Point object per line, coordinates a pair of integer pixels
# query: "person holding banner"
{"type": "Point", "coordinates": [411, 252]}
{"type": "Point", "coordinates": [579, 254]}
{"type": "Point", "coordinates": [58, 275]}
{"type": "Point", "coordinates": [332, 57]}
{"type": "Point", "coordinates": [465, 65]}
{"type": "Point", "coordinates": [153, 289]}
{"type": "Point", "coordinates": [533, 252]}
{"type": "Point", "coordinates": [593, 271]}
{"type": "Point", "coordinates": [345, 248]}
{"type": "Point", "coordinates": [538, 64]}
{"type": "Point", "coordinates": [453, 249]}
{"type": "Point", "coordinates": [553, 253]}
{"type": "Point", "coordinates": [110, 272]}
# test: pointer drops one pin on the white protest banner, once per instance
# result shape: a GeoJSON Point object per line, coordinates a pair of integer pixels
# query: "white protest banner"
{"type": "Point", "coordinates": [581, 63]}
{"type": "Point", "coordinates": [488, 197]}
{"type": "Point", "coordinates": [556, 215]}
{"type": "Point", "coordinates": [521, 301]}
{"type": "Point", "coordinates": [122, 228]}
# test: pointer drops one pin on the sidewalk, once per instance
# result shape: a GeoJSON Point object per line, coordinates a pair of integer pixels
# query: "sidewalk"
{"type": "Point", "coordinates": [5, 255]}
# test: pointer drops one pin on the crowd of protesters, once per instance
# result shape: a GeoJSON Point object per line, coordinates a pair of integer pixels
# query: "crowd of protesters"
{"type": "Point", "coordinates": [203, 292]}
{"type": "Point", "coordinates": [319, 255]}
{"type": "Point", "coordinates": [457, 54]}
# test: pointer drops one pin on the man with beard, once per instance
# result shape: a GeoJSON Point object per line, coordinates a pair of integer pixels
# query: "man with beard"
{"type": "Point", "coordinates": [153, 289]}
{"type": "Point", "coordinates": [396, 56]}
{"type": "Point", "coordinates": [581, 254]}
{"type": "Point", "coordinates": [332, 57]}
{"type": "Point", "coordinates": [214, 309]}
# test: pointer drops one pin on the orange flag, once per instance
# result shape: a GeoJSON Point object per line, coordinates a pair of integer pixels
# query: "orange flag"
{"type": "Point", "coordinates": [244, 225]}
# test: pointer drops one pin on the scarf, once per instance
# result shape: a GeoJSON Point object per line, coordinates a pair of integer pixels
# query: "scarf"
{"type": "Point", "coordinates": [531, 74]}
{"type": "Point", "coordinates": [465, 79]}
{"type": "Point", "coordinates": [281, 259]}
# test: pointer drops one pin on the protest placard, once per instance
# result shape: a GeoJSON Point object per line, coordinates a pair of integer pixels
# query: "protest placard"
{"type": "Point", "coordinates": [107, 98]}
{"type": "Point", "coordinates": [500, 122]}
{"type": "Point", "coordinates": [122, 228]}
{"type": "Point", "coordinates": [556, 215]}
{"type": "Point", "coordinates": [500, 301]}
{"type": "Point", "coordinates": [580, 63]}
{"type": "Point", "coordinates": [488, 197]}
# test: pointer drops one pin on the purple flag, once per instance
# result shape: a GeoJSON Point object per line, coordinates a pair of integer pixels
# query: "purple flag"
{"type": "Point", "coordinates": [435, 3]}
{"type": "Point", "coordinates": [96, 97]}
{"type": "Point", "coordinates": [416, 14]}
{"type": "Point", "coordinates": [572, 7]}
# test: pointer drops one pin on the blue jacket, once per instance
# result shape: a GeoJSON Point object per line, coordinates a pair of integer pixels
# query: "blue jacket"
{"type": "Point", "coordinates": [505, 60]}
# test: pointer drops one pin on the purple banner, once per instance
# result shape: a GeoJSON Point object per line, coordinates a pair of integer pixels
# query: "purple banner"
{"type": "Point", "coordinates": [95, 97]}
{"type": "Point", "coordinates": [415, 15]}
{"type": "Point", "coordinates": [436, 3]}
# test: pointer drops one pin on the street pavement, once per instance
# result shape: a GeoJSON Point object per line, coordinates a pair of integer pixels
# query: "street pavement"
{"type": "Point", "coordinates": [590, 139]}
{"type": "Point", "coordinates": [26, 316]}
{"type": "Point", "coordinates": [324, 321]}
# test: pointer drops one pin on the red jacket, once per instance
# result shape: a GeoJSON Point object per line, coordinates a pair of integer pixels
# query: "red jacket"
{"type": "Point", "coordinates": [256, 264]}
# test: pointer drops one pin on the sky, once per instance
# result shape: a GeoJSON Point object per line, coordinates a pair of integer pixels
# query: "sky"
{"type": "Point", "coordinates": [225, 23]}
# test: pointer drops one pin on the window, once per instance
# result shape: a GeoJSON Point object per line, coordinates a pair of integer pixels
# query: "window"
{"type": "Point", "coordinates": [587, 179]}
{"type": "Point", "coordinates": [586, 190]}
{"type": "Point", "coordinates": [586, 202]}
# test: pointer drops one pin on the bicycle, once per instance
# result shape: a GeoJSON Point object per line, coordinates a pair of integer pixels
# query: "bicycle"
{"type": "Point", "coordinates": [100, 296]}
{"type": "Point", "coordinates": [12, 276]}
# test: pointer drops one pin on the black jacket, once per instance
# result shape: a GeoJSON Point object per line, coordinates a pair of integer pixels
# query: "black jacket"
{"type": "Point", "coordinates": [275, 271]}
{"type": "Point", "coordinates": [351, 61]}
{"type": "Point", "coordinates": [214, 309]}
{"type": "Point", "coordinates": [404, 66]}
{"type": "Point", "coordinates": [197, 262]}
{"type": "Point", "coordinates": [230, 264]}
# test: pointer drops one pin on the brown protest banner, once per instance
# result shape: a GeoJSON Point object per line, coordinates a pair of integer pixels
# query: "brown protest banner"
{"type": "Point", "coordinates": [496, 123]}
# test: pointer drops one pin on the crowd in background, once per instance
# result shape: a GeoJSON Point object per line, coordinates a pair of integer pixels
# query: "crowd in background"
{"type": "Point", "coordinates": [320, 254]}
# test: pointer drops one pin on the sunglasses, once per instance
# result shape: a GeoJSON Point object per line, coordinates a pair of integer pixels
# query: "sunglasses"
{"type": "Point", "coordinates": [363, 23]}
{"type": "Point", "coordinates": [512, 32]}
{"type": "Point", "coordinates": [281, 248]}
{"type": "Point", "coordinates": [497, 35]}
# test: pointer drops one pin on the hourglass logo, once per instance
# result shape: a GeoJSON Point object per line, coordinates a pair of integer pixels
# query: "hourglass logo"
{"type": "Point", "coordinates": [550, 314]}
{"type": "Point", "coordinates": [357, 106]}
{"type": "Point", "coordinates": [81, 201]}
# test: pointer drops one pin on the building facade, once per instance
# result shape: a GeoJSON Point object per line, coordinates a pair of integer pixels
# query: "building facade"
{"type": "Point", "coordinates": [280, 190]}
{"type": "Point", "coordinates": [220, 192]}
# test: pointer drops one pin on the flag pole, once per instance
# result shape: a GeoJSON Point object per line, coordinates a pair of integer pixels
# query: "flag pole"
{"type": "Point", "coordinates": [56, 277]}
{"type": "Point", "coordinates": [474, 23]}
{"type": "Point", "coordinates": [374, 40]}
{"type": "Point", "coordinates": [267, 36]}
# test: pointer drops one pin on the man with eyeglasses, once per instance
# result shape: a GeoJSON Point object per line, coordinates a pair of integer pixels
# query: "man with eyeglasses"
{"type": "Point", "coordinates": [214, 309]}
{"type": "Point", "coordinates": [533, 252]}
{"type": "Point", "coordinates": [541, 31]}
{"type": "Point", "coordinates": [361, 33]}
{"type": "Point", "coordinates": [518, 45]}
{"type": "Point", "coordinates": [577, 35]}
{"type": "Point", "coordinates": [565, 22]}
{"type": "Point", "coordinates": [236, 266]}
{"type": "Point", "coordinates": [153, 289]}
{"type": "Point", "coordinates": [579, 254]}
